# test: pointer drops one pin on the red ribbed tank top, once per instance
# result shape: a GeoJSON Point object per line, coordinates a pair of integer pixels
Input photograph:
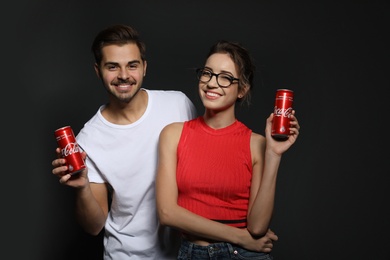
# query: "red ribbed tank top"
{"type": "Point", "coordinates": [214, 171]}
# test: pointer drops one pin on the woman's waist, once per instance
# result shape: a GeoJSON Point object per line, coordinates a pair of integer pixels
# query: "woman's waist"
{"type": "Point", "coordinates": [201, 241]}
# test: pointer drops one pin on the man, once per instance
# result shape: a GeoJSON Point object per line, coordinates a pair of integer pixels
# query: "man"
{"type": "Point", "coordinates": [120, 145]}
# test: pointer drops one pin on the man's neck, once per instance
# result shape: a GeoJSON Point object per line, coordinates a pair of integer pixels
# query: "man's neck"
{"type": "Point", "coordinates": [122, 113]}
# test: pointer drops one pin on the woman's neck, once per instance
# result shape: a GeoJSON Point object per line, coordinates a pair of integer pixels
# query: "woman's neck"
{"type": "Point", "coordinates": [220, 119]}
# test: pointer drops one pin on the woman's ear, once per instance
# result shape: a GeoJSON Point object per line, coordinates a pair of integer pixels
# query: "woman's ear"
{"type": "Point", "coordinates": [243, 91]}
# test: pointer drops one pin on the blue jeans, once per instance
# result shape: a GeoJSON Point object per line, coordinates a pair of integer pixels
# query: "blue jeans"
{"type": "Point", "coordinates": [217, 251]}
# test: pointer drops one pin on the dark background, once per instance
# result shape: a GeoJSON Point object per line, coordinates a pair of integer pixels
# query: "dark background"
{"type": "Point", "coordinates": [333, 187]}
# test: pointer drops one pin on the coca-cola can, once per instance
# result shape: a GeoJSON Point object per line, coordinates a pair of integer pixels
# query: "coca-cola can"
{"type": "Point", "coordinates": [70, 150]}
{"type": "Point", "coordinates": [282, 112]}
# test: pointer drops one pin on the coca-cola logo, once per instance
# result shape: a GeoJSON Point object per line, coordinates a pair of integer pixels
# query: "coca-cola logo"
{"type": "Point", "coordinates": [69, 149]}
{"type": "Point", "coordinates": [282, 112]}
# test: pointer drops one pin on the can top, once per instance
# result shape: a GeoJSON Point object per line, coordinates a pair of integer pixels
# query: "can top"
{"type": "Point", "coordinates": [284, 89]}
{"type": "Point", "coordinates": [62, 128]}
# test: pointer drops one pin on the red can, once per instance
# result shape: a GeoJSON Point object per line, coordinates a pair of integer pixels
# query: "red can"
{"type": "Point", "coordinates": [282, 111]}
{"type": "Point", "coordinates": [70, 150]}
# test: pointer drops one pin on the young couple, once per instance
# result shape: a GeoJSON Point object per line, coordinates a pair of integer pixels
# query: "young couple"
{"type": "Point", "coordinates": [166, 169]}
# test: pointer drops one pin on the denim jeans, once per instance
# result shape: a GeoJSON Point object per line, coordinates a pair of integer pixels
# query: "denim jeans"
{"type": "Point", "coordinates": [217, 251]}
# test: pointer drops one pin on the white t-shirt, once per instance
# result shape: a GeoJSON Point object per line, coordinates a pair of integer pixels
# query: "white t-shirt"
{"type": "Point", "coordinates": [125, 156]}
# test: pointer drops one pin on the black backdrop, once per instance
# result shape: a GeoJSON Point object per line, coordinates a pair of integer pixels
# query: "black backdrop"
{"type": "Point", "coordinates": [332, 194]}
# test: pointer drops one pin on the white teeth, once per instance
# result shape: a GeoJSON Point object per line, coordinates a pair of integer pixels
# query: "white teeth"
{"type": "Point", "coordinates": [212, 94]}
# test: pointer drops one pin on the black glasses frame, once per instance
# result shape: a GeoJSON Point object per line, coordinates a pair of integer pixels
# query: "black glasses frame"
{"type": "Point", "coordinates": [200, 71]}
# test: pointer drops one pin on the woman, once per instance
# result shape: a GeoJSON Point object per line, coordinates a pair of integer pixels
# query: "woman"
{"type": "Point", "coordinates": [216, 178]}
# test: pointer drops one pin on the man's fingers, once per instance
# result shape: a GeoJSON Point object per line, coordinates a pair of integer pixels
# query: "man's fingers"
{"type": "Point", "coordinates": [65, 178]}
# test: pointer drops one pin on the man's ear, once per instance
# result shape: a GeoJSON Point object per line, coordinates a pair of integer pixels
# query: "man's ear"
{"type": "Point", "coordinates": [145, 65]}
{"type": "Point", "coordinates": [97, 71]}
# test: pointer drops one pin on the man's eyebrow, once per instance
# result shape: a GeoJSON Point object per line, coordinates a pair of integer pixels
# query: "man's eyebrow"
{"type": "Point", "coordinates": [117, 63]}
{"type": "Point", "coordinates": [134, 61]}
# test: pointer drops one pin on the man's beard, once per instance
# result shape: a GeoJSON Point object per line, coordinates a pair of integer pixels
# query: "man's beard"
{"type": "Point", "coordinates": [123, 97]}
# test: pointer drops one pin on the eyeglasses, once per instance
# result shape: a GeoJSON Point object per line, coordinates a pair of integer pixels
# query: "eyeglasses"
{"type": "Point", "coordinates": [223, 80]}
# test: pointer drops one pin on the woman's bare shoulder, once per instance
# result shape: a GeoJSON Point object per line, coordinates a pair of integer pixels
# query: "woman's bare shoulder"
{"type": "Point", "coordinates": [257, 138]}
{"type": "Point", "coordinates": [258, 143]}
{"type": "Point", "coordinates": [172, 129]}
